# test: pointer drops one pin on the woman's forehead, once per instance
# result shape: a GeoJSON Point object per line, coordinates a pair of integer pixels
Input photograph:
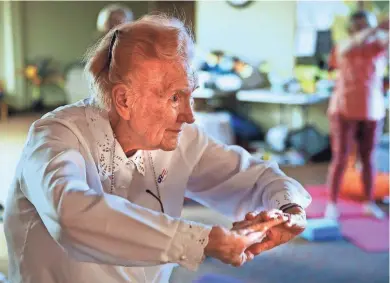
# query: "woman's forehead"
{"type": "Point", "coordinates": [168, 73]}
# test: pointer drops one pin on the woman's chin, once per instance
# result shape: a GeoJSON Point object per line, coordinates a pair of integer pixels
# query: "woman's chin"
{"type": "Point", "coordinates": [169, 144]}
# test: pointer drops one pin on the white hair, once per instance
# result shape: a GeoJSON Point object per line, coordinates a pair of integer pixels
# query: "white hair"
{"type": "Point", "coordinates": [116, 56]}
{"type": "Point", "coordinates": [106, 12]}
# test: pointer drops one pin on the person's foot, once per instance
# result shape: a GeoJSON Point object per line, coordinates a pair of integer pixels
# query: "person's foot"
{"type": "Point", "coordinates": [372, 209]}
{"type": "Point", "coordinates": [331, 211]}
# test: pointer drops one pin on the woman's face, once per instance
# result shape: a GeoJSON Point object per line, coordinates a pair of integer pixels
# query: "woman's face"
{"type": "Point", "coordinates": [160, 103]}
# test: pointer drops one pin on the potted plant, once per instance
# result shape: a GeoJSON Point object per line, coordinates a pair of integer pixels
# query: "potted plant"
{"type": "Point", "coordinates": [41, 74]}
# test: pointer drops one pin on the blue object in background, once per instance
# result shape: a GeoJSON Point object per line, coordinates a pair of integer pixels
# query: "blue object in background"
{"type": "Point", "coordinates": [382, 154]}
{"type": "Point", "coordinates": [322, 230]}
{"type": "Point", "coordinates": [245, 128]}
{"type": "Point", "coordinates": [216, 278]}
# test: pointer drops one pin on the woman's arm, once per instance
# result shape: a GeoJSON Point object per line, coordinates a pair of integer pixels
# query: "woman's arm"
{"type": "Point", "coordinates": [233, 182]}
{"type": "Point", "coordinates": [92, 225]}
{"type": "Point", "coordinates": [360, 42]}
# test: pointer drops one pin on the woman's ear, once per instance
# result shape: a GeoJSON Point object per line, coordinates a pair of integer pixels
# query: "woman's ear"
{"type": "Point", "coordinates": [120, 94]}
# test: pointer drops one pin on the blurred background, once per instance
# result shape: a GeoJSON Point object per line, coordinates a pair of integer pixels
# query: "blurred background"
{"type": "Point", "coordinates": [265, 85]}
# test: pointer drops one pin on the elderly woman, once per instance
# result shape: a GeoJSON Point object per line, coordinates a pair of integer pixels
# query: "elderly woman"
{"type": "Point", "coordinates": [99, 189]}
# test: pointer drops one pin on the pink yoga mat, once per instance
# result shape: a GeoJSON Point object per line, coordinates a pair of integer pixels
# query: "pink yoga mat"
{"type": "Point", "coordinates": [367, 233]}
{"type": "Point", "coordinates": [317, 190]}
{"type": "Point", "coordinates": [319, 195]}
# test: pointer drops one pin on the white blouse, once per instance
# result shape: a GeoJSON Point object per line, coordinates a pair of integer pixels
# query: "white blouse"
{"type": "Point", "coordinates": [63, 223]}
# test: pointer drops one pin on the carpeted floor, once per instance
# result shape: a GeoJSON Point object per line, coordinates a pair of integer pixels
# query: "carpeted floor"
{"type": "Point", "coordinates": [299, 261]}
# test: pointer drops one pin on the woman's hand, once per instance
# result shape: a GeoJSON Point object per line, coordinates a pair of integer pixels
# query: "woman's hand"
{"type": "Point", "coordinates": [230, 246]}
{"type": "Point", "coordinates": [278, 234]}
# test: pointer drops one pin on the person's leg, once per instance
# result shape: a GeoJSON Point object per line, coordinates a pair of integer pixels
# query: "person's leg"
{"type": "Point", "coordinates": [370, 134]}
{"type": "Point", "coordinates": [342, 132]}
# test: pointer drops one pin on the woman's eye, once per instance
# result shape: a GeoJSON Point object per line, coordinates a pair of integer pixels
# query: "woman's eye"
{"type": "Point", "coordinates": [175, 98]}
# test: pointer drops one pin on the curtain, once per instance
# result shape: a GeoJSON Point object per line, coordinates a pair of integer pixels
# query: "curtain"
{"type": "Point", "coordinates": [12, 53]}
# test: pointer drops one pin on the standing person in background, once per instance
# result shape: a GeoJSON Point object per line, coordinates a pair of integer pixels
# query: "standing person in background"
{"type": "Point", "coordinates": [112, 16]}
{"type": "Point", "coordinates": [357, 108]}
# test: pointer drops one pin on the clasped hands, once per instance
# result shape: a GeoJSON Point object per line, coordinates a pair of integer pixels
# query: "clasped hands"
{"type": "Point", "coordinates": [257, 233]}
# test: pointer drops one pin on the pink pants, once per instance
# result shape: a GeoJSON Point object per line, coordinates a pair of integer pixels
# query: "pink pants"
{"type": "Point", "coordinates": [343, 132]}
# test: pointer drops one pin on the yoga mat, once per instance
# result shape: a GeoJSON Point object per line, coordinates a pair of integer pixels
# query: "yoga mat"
{"type": "Point", "coordinates": [319, 194]}
{"type": "Point", "coordinates": [367, 233]}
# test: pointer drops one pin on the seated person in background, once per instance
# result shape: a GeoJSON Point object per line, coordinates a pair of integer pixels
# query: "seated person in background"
{"type": "Point", "coordinates": [112, 16]}
{"type": "Point", "coordinates": [357, 107]}
{"type": "Point", "coordinates": [99, 189]}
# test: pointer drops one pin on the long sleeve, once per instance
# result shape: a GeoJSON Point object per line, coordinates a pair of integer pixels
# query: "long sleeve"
{"type": "Point", "coordinates": [332, 60]}
{"type": "Point", "coordinates": [91, 225]}
{"type": "Point", "coordinates": [368, 42]}
{"type": "Point", "coordinates": [233, 182]}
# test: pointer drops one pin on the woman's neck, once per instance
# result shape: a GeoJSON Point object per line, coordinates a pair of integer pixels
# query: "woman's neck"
{"type": "Point", "coordinates": [121, 133]}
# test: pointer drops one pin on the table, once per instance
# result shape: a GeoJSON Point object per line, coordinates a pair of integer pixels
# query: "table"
{"type": "Point", "coordinates": [282, 98]}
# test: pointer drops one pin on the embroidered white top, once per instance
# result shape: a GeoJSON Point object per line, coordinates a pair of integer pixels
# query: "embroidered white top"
{"type": "Point", "coordinates": [62, 225]}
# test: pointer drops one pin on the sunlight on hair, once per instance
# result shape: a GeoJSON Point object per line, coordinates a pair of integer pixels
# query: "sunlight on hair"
{"type": "Point", "coordinates": [154, 36]}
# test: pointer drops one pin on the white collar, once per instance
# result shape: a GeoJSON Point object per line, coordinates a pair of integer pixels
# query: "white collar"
{"type": "Point", "coordinates": [139, 161]}
{"type": "Point", "coordinates": [102, 132]}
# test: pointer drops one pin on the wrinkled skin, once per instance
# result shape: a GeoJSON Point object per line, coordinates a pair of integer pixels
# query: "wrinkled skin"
{"type": "Point", "coordinates": [149, 112]}
{"type": "Point", "coordinates": [277, 235]}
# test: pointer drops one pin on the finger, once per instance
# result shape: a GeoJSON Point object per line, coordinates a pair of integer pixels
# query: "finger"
{"type": "Point", "coordinates": [290, 222]}
{"type": "Point", "coordinates": [251, 215]}
{"type": "Point", "coordinates": [263, 216]}
{"type": "Point", "coordinates": [274, 213]}
{"type": "Point", "coordinates": [246, 227]}
{"type": "Point", "coordinates": [271, 214]}
{"type": "Point", "coordinates": [262, 247]}
{"type": "Point", "coordinates": [240, 224]}
{"type": "Point", "coordinates": [296, 227]}
{"type": "Point", "coordinates": [249, 256]}
{"type": "Point", "coordinates": [265, 226]}
{"type": "Point", "coordinates": [296, 220]}
{"type": "Point", "coordinates": [238, 261]}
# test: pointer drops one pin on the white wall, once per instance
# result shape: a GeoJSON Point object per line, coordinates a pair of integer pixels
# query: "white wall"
{"type": "Point", "coordinates": [65, 29]}
{"type": "Point", "coordinates": [62, 30]}
{"type": "Point", "coordinates": [2, 71]}
{"type": "Point", "coordinates": [262, 30]}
